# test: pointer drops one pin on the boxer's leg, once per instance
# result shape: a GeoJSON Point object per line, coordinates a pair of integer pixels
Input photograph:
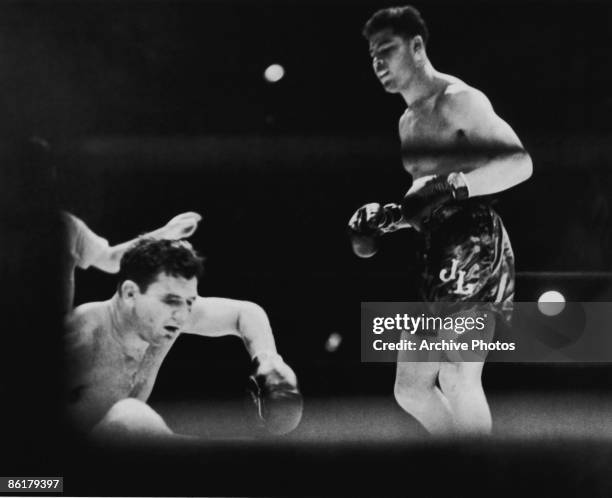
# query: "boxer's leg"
{"type": "Point", "coordinates": [133, 418]}
{"type": "Point", "coordinates": [461, 383]}
{"type": "Point", "coordinates": [417, 393]}
{"type": "Point", "coordinates": [461, 268]}
{"type": "Point", "coordinates": [462, 386]}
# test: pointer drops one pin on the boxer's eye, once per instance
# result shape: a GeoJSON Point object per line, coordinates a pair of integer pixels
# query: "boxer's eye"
{"type": "Point", "coordinates": [382, 52]}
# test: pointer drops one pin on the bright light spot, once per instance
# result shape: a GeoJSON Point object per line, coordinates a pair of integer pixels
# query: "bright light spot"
{"type": "Point", "coordinates": [551, 303]}
{"type": "Point", "coordinates": [333, 342]}
{"type": "Point", "coordinates": [274, 73]}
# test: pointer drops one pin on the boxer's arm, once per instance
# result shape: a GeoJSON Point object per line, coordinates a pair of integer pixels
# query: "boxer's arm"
{"type": "Point", "coordinates": [273, 384]}
{"type": "Point", "coordinates": [215, 317]}
{"type": "Point", "coordinates": [503, 162]}
{"type": "Point", "coordinates": [179, 227]}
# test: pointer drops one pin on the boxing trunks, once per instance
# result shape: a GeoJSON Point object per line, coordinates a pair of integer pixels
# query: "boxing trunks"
{"type": "Point", "coordinates": [467, 257]}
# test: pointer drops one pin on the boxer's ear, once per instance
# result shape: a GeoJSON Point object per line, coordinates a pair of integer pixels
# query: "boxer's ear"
{"type": "Point", "coordinates": [417, 44]}
{"type": "Point", "coordinates": [417, 47]}
{"type": "Point", "coordinates": [129, 290]}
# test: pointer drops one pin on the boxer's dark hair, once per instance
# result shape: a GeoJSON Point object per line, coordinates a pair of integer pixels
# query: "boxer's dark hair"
{"type": "Point", "coordinates": [147, 258]}
{"type": "Point", "coordinates": [404, 21]}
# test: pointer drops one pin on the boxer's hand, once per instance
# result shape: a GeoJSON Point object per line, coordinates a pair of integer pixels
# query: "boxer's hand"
{"type": "Point", "coordinates": [274, 391]}
{"type": "Point", "coordinates": [370, 222]}
{"type": "Point", "coordinates": [362, 230]}
{"type": "Point", "coordinates": [181, 226]}
{"type": "Point", "coordinates": [367, 219]}
{"type": "Point", "coordinates": [374, 219]}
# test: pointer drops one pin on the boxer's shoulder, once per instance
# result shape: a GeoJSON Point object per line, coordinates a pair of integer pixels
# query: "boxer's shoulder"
{"type": "Point", "coordinates": [461, 101]}
{"type": "Point", "coordinates": [87, 318]}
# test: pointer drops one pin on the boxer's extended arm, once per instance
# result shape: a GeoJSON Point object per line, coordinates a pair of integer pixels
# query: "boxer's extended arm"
{"type": "Point", "coordinates": [179, 227]}
{"type": "Point", "coordinates": [214, 317]}
{"type": "Point", "coordinates": [273, 384]}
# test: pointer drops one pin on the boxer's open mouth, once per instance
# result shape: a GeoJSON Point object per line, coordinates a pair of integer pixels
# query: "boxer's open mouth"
{"type": "Point", "coordinates": [171, 328]}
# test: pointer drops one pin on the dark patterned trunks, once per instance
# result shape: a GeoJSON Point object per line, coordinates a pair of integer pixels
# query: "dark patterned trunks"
{"type": "Point", "coordinates": [467, 257]}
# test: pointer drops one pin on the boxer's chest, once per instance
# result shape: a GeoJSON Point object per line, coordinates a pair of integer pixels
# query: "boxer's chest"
{"type": "Point", "coordinates": [426, 136]}
{"type": "Point", "coordinates": [132, 375]}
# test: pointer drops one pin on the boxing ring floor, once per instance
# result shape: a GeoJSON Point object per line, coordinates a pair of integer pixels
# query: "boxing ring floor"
{"type": "Point", "coordinates": [586, 416]}
{"type": "Point", "coordinates": [554, 444]}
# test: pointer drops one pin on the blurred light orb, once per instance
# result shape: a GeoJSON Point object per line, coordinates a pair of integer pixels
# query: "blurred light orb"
{"type": "Point", "coordinates": [333, 342]}
{"type": "Point", "coordinates": [551, 303]}
{"type": "Point", "coordinates": [274, 73]}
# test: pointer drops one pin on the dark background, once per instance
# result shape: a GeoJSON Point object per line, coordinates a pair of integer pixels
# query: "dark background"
{"type": "Point", "coordinates": [157, 107]}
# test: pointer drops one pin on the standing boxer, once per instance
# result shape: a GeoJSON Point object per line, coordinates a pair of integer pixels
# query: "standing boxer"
{"type": "Point", "coordinates": [457, 150]}
{"type": "Point", "coordinates": [116, 347]}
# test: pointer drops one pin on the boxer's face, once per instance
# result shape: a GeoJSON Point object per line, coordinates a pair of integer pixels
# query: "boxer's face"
{"type": "Point", "coordinates": [163, 308]}
{"type": "Point", "coordinates": [394, 59]}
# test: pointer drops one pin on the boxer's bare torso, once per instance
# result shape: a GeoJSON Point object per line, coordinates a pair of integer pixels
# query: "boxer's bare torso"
{"type": "Point", "coordinates": [443, 114]}
{"type": "Point", "coordinates": [430, 127]}
{"type": "Point", "coordinates": [108, 363]}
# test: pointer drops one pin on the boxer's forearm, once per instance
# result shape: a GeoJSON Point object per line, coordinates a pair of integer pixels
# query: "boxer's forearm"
{"type": "Point", "coordinates": [491, 177]}
{"type": "Point", "coordinates": [499, 174]}
{"type": "Point", "coordinates": [490, 169]}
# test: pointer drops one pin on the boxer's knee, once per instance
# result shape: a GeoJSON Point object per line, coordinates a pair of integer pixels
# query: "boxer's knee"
{"type": "Point", "coordinates": [131, 417]}
{"type": "Point", "coordinates": [460, 377]}
{"type": "Point", "coordinates": [411, 397]}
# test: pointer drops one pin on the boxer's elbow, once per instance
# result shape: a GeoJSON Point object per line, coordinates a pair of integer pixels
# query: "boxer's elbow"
{"type": "Point", "coordinates": [520, 170]}
{"type": "Point", "coordinates": [251, 321]}
{"type": "Point", "coordinates": [254, 327]}
{"type": "Point", "coordinates": [251, 314]}
{"type": "Point", "coordinates": [108, 260]}
{"type": "Point", "coordinates": [113, 259]}
{"type": "Point", "coordinates": [526, 168]}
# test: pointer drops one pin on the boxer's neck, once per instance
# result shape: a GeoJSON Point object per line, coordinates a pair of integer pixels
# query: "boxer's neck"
{"type": "Point", "coordinates": [423, 85]}
{"type": "Point", "coordinates": [125, 328]}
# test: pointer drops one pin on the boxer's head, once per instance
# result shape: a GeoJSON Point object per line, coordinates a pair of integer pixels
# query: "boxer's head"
{"type": "Point", "coordinates": [158, 283]}
{"type": "Point", "coordinates": [397, 37]}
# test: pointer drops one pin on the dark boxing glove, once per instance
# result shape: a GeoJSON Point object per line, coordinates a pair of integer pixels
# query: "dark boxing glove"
{"type": "Point", "coordinates": [370, 222]}
{"type": "Point", "coordinates": [274, 391]}
{"type": "Point", "coordinates": [417, 206]}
